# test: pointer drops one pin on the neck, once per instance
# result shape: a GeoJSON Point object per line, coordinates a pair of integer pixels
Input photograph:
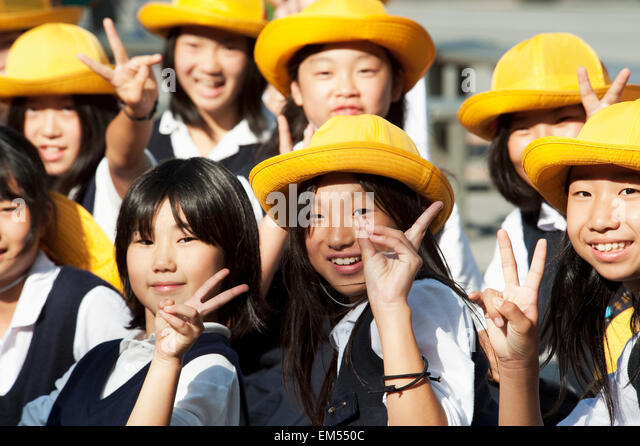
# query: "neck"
{"type": "Point", "coordinates": [217, 124]}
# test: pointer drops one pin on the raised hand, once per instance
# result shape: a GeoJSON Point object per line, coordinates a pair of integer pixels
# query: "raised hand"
{"type": "Point", "coordinates": [389, 273]}
{"type": "Point", "coordinates": [133, 78]}
{"type": "Point", "coordinates": [178, 326]}
{"type": "Point", "coordinates": [512, 316]}
{"type": "Point", "coordinates": [590, 100]}
{"type": "Point", "coordinates": [284, 135]}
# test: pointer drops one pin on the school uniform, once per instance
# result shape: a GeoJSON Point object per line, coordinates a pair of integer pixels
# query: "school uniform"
{"type": "Point", "coordinates": [625, 382]}
{"type": "Point", "coordinates": [61, 314]}
{"type": "Point", "coordinates": [106, 383]}
{"type": "Point", "coordinates": [445, 334]}
{"type": "Point", "coordinates": [236, 150]}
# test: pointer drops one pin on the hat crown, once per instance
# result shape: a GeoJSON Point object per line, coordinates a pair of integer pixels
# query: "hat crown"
{"type": "Point", "coordinates": [548, 62]}
{"type": "Point", "coordinates": [245, 9]}
{"type": "Point", "coordinates": [616, 124]}
{"type": "Point", "coordinates": [345, 8]}
{"type": "Point", "coordinates": [365, 129]}
{"type": "Point", "coordinates": [51, 50]}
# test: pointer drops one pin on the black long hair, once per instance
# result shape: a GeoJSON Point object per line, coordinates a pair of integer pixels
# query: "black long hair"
{"type": "Point", "coordinates": [95, 113]}
{"type": "Point", "coordinates": [249, 98]}
{"type": "Point", "coordinates": [23, 176]}
{"type": "Point", "coordinates": [216, 210]}
{"type": "Point", "coordinates": [310, 315]}
{"type": "Point", "coordinates": [295, 114]}
{"type": "Point", "coordinates": [574, 328]}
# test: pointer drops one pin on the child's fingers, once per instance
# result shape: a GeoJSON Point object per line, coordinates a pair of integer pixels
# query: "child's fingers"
{"type": "Point", "coordinates": [417, 231]}
{"type": "Point", "coordinates": [509, 266]}
{"type": "Point", "coordinates": [490, 300]}
{"type": "Point", "coordinates": [590, 100]}
{"type": "Point", "coordinates": [206, 288]}
{"type": "Point", "coordinates": [101, 70]}
{"type": "Point", "coordinates": [221, 299]}
{"type": "Point", "coordinates": [536, 270]}
{"type": "Point", "coordinates": [286, 145]}
{"type": "Point", "coordinates": [146, 60]}
{"type": "Point", "coordinates": [307, 134]}
{"type": "Point", "coordinates": [614, 93]}
{"type": "Point", "coordinates": [185, 327]}
{"type": "Point", "coordinates": [117, 48]}
{"type": "Point", "coordinates": [518, 321]}
{"type": "Point", "coordinates": [367, 250]}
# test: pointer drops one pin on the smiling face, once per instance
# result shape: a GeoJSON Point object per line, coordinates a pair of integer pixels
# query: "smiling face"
{"type": "Point", "coordinates": [210, 65]}
{"type": "Point", "coordinates": [527, 126]}
{"type": "Point", "coordinates": [603, 220]}
{"type": "Point", "coordinates": [345, 79]}
{"type": "Point", "coordinates": [331, 242]}
{"type": "Point", "coordinates": [52, 124]}
{"type": "Point", "coordinates": [170, 264]}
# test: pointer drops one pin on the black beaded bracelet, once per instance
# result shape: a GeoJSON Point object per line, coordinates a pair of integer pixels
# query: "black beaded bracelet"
{"type": "Point", "coordinates": [418, 377]}
{"type": "Point", "coordinates": [142, 118]}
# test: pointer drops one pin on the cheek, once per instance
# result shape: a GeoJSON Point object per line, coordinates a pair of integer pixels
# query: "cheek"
{"type": "Point", "coordinates": [516, 145]}
{"type": "Point", "coordinates": [137, 266]}
{"type": "Point", "coordinates": [569, 130]}
{"type": "Point", "coordinates": [377, 96]}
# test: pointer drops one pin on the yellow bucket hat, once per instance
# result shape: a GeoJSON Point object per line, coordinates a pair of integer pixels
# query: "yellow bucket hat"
{"type": "Point", "coordinates": [17, 15]}
{"type": "Point", "coordinates": [538, 73]}
{"type": "Point", "coordinates": [246, 17]}
{"type": "Point", "coordinates": [611, 136]}
{"type": "Point", "coordinates": [74, 238]}
{"type": "Point", "coordinates": [334, 21]}
{"type": "Point", "coordinates": [43, 61]}
{"type": "Point", "coordinates": [357, 144]}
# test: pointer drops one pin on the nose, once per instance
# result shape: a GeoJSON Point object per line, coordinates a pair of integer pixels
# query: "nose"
{"type": "Point", "coordinates": [209, 62]}
{"type": "Point", "coordinates": [346, 86]}
{"type": "Point", "coordinates": [163, 258]}
{"type": "Point", "coordinates": [606, 214]}
{"type": "Point", "coordinates": [341, 233]}
{"type": "Point", "coordinates": [50, 124]}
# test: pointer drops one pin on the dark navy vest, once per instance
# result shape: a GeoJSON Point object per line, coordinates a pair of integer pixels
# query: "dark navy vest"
{"type": "Point", "coordinates": [633, 368]}
{"type": "Point", "coordinates": [79, 402]}
{"type": "Point", "coordinates": [50, 353]}
{"type": "Point", "coordinates": [355, 401]}
{"type": "Point", "coordinates": [240, 164]}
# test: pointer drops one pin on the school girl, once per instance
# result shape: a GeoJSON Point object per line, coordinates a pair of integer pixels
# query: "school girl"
{"type": "Point", "coordinates": [215, 100]}
{"type": "Point", "coordinates": [50, 315]}
{"type": "Point", "coordinates": [593, 180]}
{"type": "Point", "coordinates": [64, 109]}
{"type": "Point", "coordinates": [170, 241]}
{"type": "Point", "coordinates": [361, 292]}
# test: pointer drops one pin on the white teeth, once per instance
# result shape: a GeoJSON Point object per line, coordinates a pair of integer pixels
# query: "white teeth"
{"type": "Point", "coordinates": [345, 260]}
{"type": "Point", "coordinates": [52, 149]}
{"type": "Point", "coordinates": [606, 247]}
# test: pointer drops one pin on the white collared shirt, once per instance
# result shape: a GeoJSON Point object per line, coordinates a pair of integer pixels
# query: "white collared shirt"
{"type": "Point", "coordinates": [549, 220]}
{"type": "Point", "coordinates": [593, 411]}
{"type": "Point", "coordinates": [445, 334]}
{"type": "Point", "coordinates": [208, 392]}
{"type": "Point", "coordinates": [102, 316]}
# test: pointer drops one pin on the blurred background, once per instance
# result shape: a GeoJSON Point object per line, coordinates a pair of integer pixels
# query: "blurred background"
{"type": "Point", "coordinates": [470, 37]}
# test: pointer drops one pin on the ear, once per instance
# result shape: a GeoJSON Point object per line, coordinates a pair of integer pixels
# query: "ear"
{"type": "Point", "coordinates": [296, 93]}
{"type": "Point", "coordinates": [397, 87]}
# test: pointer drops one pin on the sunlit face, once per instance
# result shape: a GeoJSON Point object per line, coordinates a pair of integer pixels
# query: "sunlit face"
{"type": "Point", "coordinates": [15, 225]}
{"type": "Point", "coordinates": [52, 124]}
{"type": "Point", "coordinates": [530, 125]}
{"type": "Point", "coordinates": [173, 264]}
{"type": "Point", "coordinates": [331, 241]}
{"type": "Point", "coordinates": [345, 79]}
{"type": "Point", "coordinates": [210, 65]}
{"type": "Point", "coordinates": [603, 220]}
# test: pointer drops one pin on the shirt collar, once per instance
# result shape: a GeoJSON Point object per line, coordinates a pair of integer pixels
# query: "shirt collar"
{"type": "Point", "coordinates": [550, 219]}
{"type": "Point", "coordinates": [136, 338]}
{"type": "Point", "coordinates": [35, 291]}
{"type": "Point", "coordinates": [341, 332]}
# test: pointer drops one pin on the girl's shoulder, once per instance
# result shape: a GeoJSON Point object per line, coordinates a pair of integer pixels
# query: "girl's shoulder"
{"type": "Point", "coordinates": [431, 299]}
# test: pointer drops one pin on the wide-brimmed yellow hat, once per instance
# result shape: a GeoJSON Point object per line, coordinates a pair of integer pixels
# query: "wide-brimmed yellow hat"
{"type": "Point", "coordinates": [611, 136]}
{"type": "Point", "coordinates": [74, 238]}
{"type": "Point", "coordinates": [246, 17]}
{"type": "Point", "coordinates": [365, 144]}
{"type": "Point", "coordinates": [44, 61]}
{"type": "Point", "coordinates": [16, 15]}
{"type": "Point", "coordinates": [334, 21]}
{"type": "Point", "coordinates": [538, 73]}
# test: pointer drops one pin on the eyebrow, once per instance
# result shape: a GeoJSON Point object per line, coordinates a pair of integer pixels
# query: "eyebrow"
{"type": "Point", "coordinates": [628, 175]}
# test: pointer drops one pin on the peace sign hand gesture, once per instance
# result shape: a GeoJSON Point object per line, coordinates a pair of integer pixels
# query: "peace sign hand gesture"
{"type": "Point", "coordinates": [389, 274]}
{"type": "Point", "coordinates": [133, 78]}
{"type": "Point", "coordinates": [178, 326]}
{"type": "Point", "coordinates": [512, 316]}
{"type": "Point", "coordinates": [590, 100]}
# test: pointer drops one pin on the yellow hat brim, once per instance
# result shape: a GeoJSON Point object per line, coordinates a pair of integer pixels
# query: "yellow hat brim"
{"type": "Point", "coordinates": [407, 41]}
{"type": "Point", "coordinates": [85, 82]}
{"type": "Point", "coordinates": [478, 114]}
{"type": "Point", "coordinates": [74, 238]}
{"type": "Point", "coordinates": [15, 21]}
{"type": "Point", "coordinates": [275, 174]}
{"type": "Point", "coordinates": [547, 162]}
{"type": "Point", "coordinates": [160, 18]}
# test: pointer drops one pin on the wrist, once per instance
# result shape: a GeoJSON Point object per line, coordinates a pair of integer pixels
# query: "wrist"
{"type": "Point", "coordinates": [140, 114]}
